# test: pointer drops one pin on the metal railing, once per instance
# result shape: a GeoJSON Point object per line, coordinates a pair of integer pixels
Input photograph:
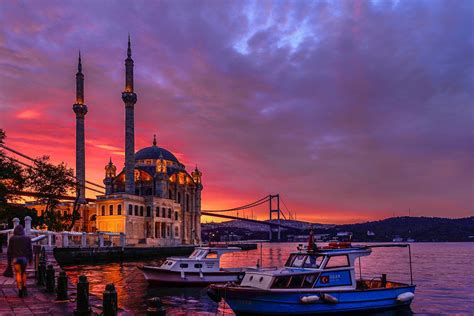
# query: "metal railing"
{"type": "Point", "coordinates": [69, 239]}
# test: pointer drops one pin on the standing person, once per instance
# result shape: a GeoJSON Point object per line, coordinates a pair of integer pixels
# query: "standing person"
{"type": "Point", "coordinates": [20, 253]}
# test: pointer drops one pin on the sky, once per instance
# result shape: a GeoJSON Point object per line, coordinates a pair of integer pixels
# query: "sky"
{"type": "Point", "coordinates": [350, 110]}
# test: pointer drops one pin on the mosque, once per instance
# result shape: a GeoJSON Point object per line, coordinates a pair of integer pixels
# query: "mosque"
{"type": "Point", "coordinates": [153, 200]}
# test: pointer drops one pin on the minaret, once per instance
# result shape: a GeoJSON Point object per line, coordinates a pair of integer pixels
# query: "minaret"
{"type": "Point", "coordinates": [81, 110]}
{"type": "Point", "coordinates": [129, 98]}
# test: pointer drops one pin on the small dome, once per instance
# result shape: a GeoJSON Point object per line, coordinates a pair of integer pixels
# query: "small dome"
{"type": "Point", "coordinates": [154, 152]}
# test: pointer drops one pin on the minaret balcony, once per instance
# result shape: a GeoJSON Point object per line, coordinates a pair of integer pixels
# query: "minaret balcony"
{"type": "Point", "coordinates": [80, 109]}
{"type": "Point", "coordinates": [129, 97]}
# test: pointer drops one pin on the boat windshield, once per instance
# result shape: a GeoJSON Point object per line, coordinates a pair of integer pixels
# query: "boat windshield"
{"type": "Point", "coordinates": [197, 253]}
{"type": "Point", "coordinates": [304, 261]}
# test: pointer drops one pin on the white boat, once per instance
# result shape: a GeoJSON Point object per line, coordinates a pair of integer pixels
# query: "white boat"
{"type": "Point", "coordinates": [201, 268]}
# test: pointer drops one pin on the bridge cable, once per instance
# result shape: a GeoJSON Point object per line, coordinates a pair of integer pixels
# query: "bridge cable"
{"type": "Point", "coordinates": [247, 206]}
{"type": "Point", "coordinates": [34, 160]}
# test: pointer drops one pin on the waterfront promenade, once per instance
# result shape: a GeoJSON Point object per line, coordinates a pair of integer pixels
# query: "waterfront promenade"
{"type": "Point", "coordinates": [38, 301]}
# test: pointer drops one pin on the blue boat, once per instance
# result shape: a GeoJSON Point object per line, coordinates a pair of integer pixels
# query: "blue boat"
{"type": "Point", "coordinates": [315, 281]}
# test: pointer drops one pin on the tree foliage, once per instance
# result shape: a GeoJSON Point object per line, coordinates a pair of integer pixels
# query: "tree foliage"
{"type": "Point", "coordinates": [52, 182]}
{"type": "Point", "coordinates": [11, 177]}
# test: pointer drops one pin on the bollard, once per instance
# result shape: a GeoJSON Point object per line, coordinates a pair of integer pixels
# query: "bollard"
{"type": "Point", "coordinates": [62, 287]}
{"type": "Point", "coordinates": [109, 301]}
{"type": "Point", "coordinates": [41, 274]}
{"type": "Point", "coordinates": [82, 300]}
{"type": "Point", "coordinates": [50, 278]}
{"type": "Point", "coordinates": [155, 307]}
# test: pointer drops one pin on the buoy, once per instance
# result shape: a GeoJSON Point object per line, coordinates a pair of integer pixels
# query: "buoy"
{"type": "Point", "coordinates": [214, 295]}
{"type": "Point", "coordinates": [405, 297]}
{"type": "Point", "coordinates": [309, 299]}
{"type": "Point", "coordinates": [329, 298]}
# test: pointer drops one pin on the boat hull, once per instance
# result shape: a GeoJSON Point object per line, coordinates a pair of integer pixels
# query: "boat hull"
{"type": "Point", "coordinates": [173, 278]}
{"type": "Point", "coordinates": [249, 301]}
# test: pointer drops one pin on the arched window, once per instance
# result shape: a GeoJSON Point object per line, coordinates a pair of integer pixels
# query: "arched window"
{"type": "Point", "coordinates": [111, 210]}
{"type": "Point", "coordinates": [136, 210]}
{"type": "Point", "coordinates": [187, 202]}
{"type": "Point", "coordinates": [130, 209]}
{"type": "Point", "coordinates": [176, 231]}
{"type": "Point", "coordinates": [163, 212]}
{"type": "Point", "coordinates": [176, 216]}
{"type": "Point", "coordinates": [169, 213]}
{"type": "Point", "coordinates": [157, 230]}
{"type": "Point", "coordinates": [163, 230]}
{"type": "Point", "coordinates": [157, 211]}
{"type": "Point", "coordinates": [103, 210]}
{"type": "Point", "coordinates": [141, 210]}
{"type": "Point", "coordinates": [119, 209]}
{"type": "Point", "coordinates": [148, 211]}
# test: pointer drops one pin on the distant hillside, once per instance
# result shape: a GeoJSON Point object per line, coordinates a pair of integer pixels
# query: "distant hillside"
{"type": "Point", "coordinates": [418, 228]}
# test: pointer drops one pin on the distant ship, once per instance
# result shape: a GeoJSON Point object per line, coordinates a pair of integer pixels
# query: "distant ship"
{"type": "Point", "coordinates": [397, 239]}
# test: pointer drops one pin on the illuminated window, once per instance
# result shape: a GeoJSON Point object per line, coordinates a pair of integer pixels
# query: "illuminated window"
{"type": "Point", "coordinates": [103, 210]}
{"type": "Point", "coordinates": [111, 210]}
{"type": "Point", "coordinates": [119, 209]}
{"type": "Point", "coordinates": [130, 209]}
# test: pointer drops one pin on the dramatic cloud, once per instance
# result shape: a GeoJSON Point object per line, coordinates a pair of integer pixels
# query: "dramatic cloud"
{"type": "Point", "coordinates": [351, 110]}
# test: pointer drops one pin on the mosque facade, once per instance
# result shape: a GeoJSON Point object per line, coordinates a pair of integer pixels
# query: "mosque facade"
{"type": "Point", "coordinates": [153, 200]}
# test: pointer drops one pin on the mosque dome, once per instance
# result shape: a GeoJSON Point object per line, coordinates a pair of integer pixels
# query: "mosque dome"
{"type": "Point", "coordinates": [154, 152]}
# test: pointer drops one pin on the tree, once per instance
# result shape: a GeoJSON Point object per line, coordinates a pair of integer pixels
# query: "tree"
{"type": "Point", "coordinates": [52, 182]}
{"type": "Point", "coordinates": [12, 179]}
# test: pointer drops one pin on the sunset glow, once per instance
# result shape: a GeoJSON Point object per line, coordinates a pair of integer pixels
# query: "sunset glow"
{"type": "Point", "coordinates": [350, 110]}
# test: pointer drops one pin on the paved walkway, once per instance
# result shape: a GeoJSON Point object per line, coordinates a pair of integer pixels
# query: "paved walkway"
{"type": "Point", "coordinates": [38, 302]}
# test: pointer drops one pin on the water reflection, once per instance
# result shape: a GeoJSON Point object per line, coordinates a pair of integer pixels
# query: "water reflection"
{"type": "Point", "coordinates": [443, 274]}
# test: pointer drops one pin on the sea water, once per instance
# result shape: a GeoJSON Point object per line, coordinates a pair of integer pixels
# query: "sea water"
{"type": "Point", "coordinates": [443, 273]}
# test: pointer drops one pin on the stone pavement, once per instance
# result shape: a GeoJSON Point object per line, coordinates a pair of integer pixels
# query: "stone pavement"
{"type": "Point", "coordinates": [38, 302]}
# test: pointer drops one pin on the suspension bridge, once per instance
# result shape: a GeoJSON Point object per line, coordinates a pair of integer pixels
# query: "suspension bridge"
{"type": "Point", "coordinates": [273, 201]}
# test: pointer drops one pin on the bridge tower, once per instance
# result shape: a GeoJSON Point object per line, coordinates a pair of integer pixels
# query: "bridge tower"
{"type": "Point", "coordinates": [274, 201]}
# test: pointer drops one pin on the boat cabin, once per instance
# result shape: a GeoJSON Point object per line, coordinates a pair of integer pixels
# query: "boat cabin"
{"type": "Point", "coordinates": [324, 268]}
{"type": "Point", "coordinates": [203, 259]}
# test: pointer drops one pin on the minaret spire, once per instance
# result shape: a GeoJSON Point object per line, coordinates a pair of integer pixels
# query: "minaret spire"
{"type": "Point", "coordinates": [79, 82]}
{"type": "Point", "coordinates": [129, 98]}
{"type": "Point", "coordinates": [81, 110]}
{"type": "Point", "coordinates": [79, 63]}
